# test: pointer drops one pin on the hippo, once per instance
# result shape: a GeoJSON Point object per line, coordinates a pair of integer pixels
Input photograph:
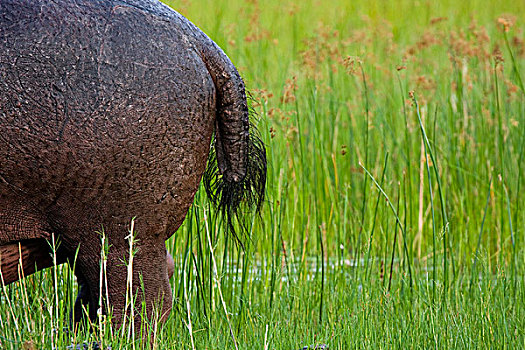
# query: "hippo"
{"type": "Point", "coordinates": [111, 113]}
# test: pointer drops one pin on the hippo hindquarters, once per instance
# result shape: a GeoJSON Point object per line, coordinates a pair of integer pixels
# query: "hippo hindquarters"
{"type": "Point", "coordinates": [117, 124]}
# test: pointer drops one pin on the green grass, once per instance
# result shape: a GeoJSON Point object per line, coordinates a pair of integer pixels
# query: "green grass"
{"type": "Point", "coordinates": [393, 219]}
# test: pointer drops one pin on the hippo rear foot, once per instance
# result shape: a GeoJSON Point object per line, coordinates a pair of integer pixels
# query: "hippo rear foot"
{"type": "Point", "coordinates": [84, 305]}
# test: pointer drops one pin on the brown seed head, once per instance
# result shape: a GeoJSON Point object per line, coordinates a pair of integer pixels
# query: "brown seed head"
{"type": "Point", "coordinates": [289, 91]}
{"type": "Point", "coordinates": [351, 63]}
{"type": "Point", "coordinates": [272, 132]}
{"type": "Point", "coordinates": [497, 55]}
{"type": "Point", "coordinates": [438, 19]}
{"type": "Point", "coordinates": [506, 22]}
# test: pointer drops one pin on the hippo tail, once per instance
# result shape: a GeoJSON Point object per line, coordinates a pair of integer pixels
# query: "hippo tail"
{"type": "Point", "coordinates": [235, 176]}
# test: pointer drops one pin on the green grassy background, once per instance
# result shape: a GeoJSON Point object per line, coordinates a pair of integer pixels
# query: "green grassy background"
{"type": "Point", "coordinates": [425, 96]}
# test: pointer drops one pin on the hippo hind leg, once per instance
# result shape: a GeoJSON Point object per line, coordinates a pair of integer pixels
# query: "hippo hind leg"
{"type": "Point", "coordinates": [84, 304]}
{"type": "Point", "coordinates": [24, 236]}
{"type": "Point", "coordinates": [149, 285]}
{"type": "Point", "coordinates": [23, 258]}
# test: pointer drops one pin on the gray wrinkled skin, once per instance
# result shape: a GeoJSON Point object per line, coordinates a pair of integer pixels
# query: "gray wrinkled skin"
{"type": "Point", "coordinates": [107, 110]}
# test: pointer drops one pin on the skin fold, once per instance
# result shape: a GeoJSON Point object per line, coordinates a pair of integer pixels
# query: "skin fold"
{"type": "Point", "coordinates": [107, 112]}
